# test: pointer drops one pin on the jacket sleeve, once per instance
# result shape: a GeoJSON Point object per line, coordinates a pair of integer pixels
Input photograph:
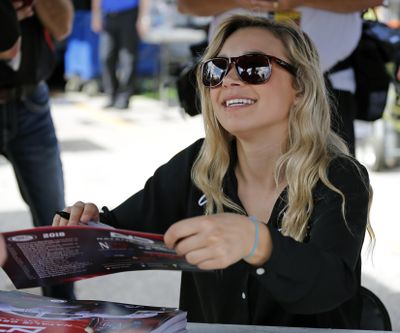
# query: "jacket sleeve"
{"type": "Point", "coordinates": [320, 274]}
{"type": "Point", "coordinates": [163, 200]}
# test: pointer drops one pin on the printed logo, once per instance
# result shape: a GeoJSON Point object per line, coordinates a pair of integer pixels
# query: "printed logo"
{"type": "Point", "coordinates": [202, 201]}
{"type": "Point", "coordinates": [20, 329]}
{"type": "Point", "coordinates": [22, 238]}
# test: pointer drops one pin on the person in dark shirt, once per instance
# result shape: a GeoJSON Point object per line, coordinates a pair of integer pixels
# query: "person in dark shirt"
{"type": "Point", "coordinates": [270, 204]}
{"type": "Point", "coordinates": [27, 134]}
{"type": "Point", "coordinates": [9, 47]}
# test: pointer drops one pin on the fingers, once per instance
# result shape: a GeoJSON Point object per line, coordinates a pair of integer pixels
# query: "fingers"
{"type": "Point", "coordinates": [211, 242]}
{"type": "Point", "coordinates": [79, 212]}
{"type": "Point", "coordinates": [180, 230]}
{"type": "Point", "coordinates": [90, 213]}
{"type": "Point", "coordinates": [200, 249]}
{"type": "Point", "coordinates": [60, 221]}
{"type": "Point", "coordinates": [213, 257]}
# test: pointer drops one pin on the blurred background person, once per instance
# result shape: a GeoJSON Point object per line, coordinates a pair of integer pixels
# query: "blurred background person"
{"type": "Point", "coordinates": [82, 44]}
{"type": "Point", "coordinates": [27, 135]}
{"type": "Point", "coordinates": [119, 38]}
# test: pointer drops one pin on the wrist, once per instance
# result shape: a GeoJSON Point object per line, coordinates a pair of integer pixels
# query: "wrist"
{"type": "Point", "coordinates": [262, 252]}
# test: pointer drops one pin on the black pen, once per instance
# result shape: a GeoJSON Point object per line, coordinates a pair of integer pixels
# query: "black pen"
{"type": "Point", "coordinates": [64, 215]}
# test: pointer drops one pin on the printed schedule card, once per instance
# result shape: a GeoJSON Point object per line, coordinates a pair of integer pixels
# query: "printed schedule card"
{"type": "Point", "coordinates": [51, 255]}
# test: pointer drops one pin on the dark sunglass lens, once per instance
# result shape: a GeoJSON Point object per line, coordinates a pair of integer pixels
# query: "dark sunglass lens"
{"type": "Point", "coordinates": [214, 71]}
{"type": "Point", "coordinates": [254, 68]}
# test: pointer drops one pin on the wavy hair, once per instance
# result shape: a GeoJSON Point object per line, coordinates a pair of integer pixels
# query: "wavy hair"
{"type": "Point", "coordinates": [310, 145]}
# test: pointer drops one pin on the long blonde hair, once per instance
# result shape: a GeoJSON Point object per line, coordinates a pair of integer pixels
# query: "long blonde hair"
{"type": "Point", "coordinates": [310, 146]}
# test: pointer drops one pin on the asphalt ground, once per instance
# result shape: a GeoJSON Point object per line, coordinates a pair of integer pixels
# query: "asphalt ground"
{"type": "Point", "coordinates": [108, 155]}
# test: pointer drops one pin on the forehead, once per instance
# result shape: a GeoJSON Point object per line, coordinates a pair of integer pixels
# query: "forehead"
{"type": "Point", "coordinates": [252, 39]}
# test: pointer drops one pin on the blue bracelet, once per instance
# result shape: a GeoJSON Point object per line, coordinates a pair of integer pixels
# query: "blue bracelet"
{"type": "Point", "coordinates": [255, 244]}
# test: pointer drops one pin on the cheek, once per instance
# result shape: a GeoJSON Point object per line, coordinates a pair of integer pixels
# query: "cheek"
{"type": "Point", "coordinates": [214, 94]}
{"type": "Point", "coordinates": [287, 94]}
{"type": "Point", "coordinates": [216, 105]}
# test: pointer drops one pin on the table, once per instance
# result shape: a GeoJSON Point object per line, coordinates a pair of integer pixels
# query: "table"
{"type": "Point", "coordinates": [218, 328]}
{"type": "Point", "coordinates": [165, 36]}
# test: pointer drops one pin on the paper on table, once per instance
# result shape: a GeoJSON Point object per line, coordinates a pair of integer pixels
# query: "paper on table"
{"type": "Point", "coordinates": [22, 312]}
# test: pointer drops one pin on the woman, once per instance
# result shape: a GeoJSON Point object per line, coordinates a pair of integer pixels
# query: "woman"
{"type": "Point", "coordinates": [270, 199]}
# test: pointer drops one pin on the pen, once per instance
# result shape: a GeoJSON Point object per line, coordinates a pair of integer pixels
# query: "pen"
{"type": "Point", "coordinates": [64, 215]}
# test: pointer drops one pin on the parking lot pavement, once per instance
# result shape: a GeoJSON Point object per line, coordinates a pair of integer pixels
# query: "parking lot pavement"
{"type": "Point", "coordinates": [108, 155]}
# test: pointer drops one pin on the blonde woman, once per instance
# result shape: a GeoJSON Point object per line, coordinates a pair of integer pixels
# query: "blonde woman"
{"type": "Point", "coordinates": [270, 203]}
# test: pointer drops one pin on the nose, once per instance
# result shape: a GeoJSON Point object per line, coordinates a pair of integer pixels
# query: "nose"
{"type": "Point", "coordinates": [231, 77]}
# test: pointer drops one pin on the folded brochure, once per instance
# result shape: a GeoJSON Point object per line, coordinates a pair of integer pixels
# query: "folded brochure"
{"type": "Point", "coordinates": [25, 313]}
{"type": "Point", "coordinates": [52, 255]}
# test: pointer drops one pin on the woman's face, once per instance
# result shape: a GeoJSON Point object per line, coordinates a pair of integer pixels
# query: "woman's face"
{"type": "Point", "coordinates": [262, 108]}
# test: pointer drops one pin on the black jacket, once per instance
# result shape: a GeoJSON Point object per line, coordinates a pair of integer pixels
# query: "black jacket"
{"type": "Point", "coordinates": [311, 284]}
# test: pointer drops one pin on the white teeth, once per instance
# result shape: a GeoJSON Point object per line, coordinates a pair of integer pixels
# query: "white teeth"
{"type": "Point", "coordinates": [239, 101]}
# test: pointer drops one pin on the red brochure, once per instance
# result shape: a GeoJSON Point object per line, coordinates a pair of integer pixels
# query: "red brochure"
{"type": "Point", "coordinates": [53, 255]}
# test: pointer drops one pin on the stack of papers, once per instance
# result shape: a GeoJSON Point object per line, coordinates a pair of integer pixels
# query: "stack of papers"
{"type": "Point", "coordinates": [22, 312]}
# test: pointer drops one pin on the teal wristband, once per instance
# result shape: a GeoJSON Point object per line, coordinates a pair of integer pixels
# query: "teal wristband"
{"type": "Point", "coordinates": [255, 244]}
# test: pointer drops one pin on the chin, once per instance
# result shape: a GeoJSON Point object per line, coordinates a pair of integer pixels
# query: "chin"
{"type": "Point", "coordinates": [238, 130]}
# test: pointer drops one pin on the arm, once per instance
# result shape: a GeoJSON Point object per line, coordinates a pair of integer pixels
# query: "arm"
{"type": "Point", "coordinates": [214, 7]}
{"type": "Point", "coordinates": [97, 20]}
{"type": "Point", "coordinates": [207, 7]}
{"type": "Point", "coordinates": [56, 16]}
{"type": "Point", "coordinates": [144, 18]}
{"type": "Point", "coordinates": [340, 6]}
{"type": "Point", "coordinates": [166, 198]}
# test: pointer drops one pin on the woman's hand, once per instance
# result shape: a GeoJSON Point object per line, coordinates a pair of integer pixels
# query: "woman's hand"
{"type": "Point", "coordinates": [218, 241]}
{"type": "Point", "coordinates": [79, 212]}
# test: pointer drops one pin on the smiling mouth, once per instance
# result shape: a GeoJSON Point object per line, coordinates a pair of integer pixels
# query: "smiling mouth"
{"type": "Point", "coordinates": [238, 102]}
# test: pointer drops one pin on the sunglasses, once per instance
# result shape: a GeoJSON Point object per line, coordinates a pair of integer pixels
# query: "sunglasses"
{"type": "Point", "coordinates": [254, 68]}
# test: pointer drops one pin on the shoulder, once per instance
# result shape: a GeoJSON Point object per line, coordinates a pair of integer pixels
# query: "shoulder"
{"type": "Point", "coordinates": [348, 175]}
{"type": "Point", "coordinates": [182, 162]}
{"type": "Point", "coordinates": [344, 167]}
{"type": "Point", "coordinates": [189, 153]}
